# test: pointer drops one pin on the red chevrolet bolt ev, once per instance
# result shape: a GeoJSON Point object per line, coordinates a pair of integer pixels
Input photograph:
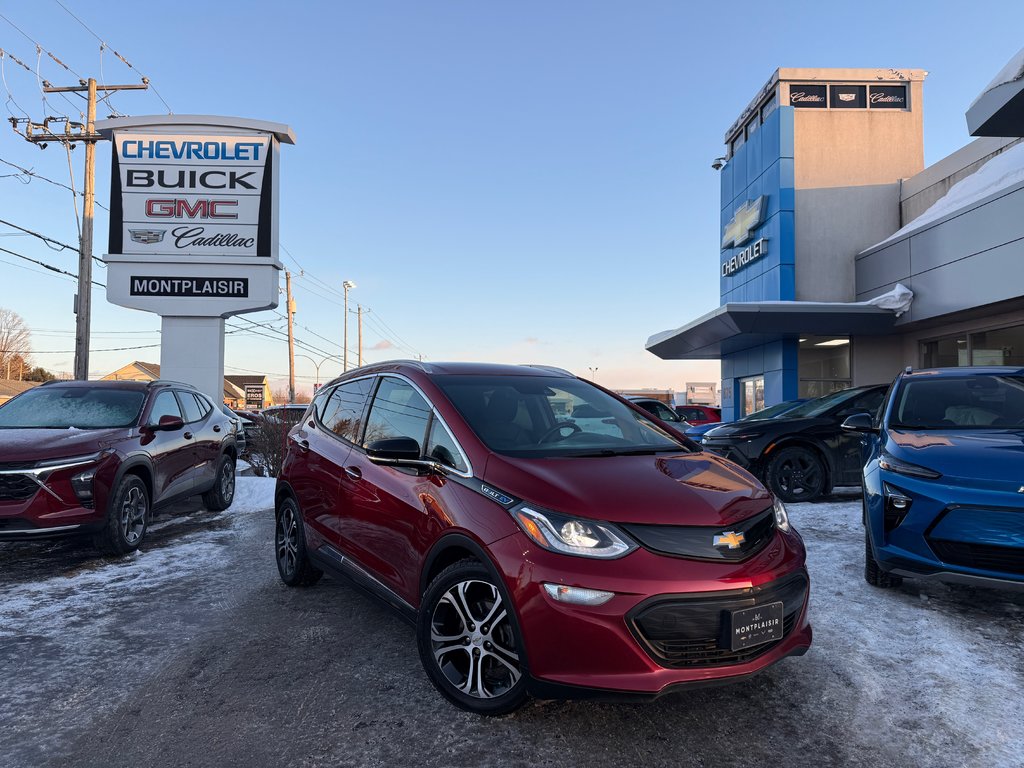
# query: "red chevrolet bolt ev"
{"type": "Point", "coordinates": [544, 536]}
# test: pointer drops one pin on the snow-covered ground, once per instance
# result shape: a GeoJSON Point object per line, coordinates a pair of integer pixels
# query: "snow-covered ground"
{"type": "Point", "coordinates": [924, 675]}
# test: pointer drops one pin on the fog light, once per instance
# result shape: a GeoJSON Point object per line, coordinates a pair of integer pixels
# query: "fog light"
{"type": "Point", "coordinates": [82, 484]}
{"type": "Point", "coordinates": [577, 595]}
{"type": "Point", "coordinates": [896, 507]}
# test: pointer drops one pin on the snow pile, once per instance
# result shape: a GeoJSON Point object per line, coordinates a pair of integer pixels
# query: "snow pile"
{"type": "Point", "coordinates": [1003, 171]}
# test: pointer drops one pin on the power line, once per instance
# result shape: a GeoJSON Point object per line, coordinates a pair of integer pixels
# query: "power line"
{"type": "Point", "coordinates": [48, 266]}
{"type": "Point", "coordinates": [105, 44]}
{"type": "Point", "coordinates": [44, 238]}
{"type": "Point", "coordinates": [71, 351]}
{"type": "Point", "coordinates": [34, 175]}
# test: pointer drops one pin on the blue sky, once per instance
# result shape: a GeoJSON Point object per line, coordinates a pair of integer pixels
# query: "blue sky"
{"type": "Point", "coordinates": [508, 181]}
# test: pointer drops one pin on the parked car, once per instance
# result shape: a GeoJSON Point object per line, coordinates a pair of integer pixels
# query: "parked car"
{"type": "Point", "coordinates": [698, 432]}
{"type": "Point", "coordinates": [250, 422]}
{"type": "Point", "coordinates": [804, 453]}
{"type": "Point", "coordinates": [533, 554]}
{"type": "Point", "coordinates": [238, 424]}
{"type": "Point", "coordinates": [943, 497]}
{"type": "Point", "coordinates": [98, 456]}
{"type": "Point", "coordinates": [695, 415]}
{"type": "Point", "coordinates": [290, 413]}
{"type": "Point", "coordinates": [659, 409]}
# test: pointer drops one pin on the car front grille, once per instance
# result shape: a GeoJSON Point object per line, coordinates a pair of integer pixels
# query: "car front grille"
{"type": "Point", "coordinates": [985, 557]}
{"type": "Point", "coordinates": [698, 541]}
{"type": "Point", "coordinates": [17, 487]}
{"type": "Point", "coordinates": [683, 631]}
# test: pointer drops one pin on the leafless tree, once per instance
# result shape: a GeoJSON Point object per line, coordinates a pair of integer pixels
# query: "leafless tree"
{"type": "Point", "coordinates": [15, 344]}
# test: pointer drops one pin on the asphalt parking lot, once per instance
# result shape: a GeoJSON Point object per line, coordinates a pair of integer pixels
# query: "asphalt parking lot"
{"type": "Point", "coordinates": [191, 653]}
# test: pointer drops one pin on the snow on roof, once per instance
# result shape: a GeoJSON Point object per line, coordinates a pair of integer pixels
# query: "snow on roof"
{"type": "Point", "coordinates": [1003, 171]}
{"type": "Point", "coordinates": [1014, 70]}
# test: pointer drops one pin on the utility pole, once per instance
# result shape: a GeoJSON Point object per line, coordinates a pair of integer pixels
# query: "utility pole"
{"type": "Point", "coordinates": [360, 317]}
{"type": "Point", "coordinates": [291, 338]}
{"type": "Point", "coordinates": [86, 133]}
{"type": "Point", "coordinates": [344, 347]}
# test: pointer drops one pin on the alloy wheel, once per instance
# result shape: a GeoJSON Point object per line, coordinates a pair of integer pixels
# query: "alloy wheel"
{"type": "Point", "coordinates": [473, 642]}
{"type": "Point", "coordinates": [227, 481]}
{"type": "Point", "coordinates": [288, 541]}
{"type": "Point", "coordinates": [133, 515]}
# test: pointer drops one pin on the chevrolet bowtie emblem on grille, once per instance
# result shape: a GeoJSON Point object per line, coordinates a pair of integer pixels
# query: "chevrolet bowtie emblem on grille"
{"type": "Point", "coordinates": [1021, 489]}
{"type": "Point", "coordinates": [746, 219]}
{"type": "Point", "coordinates": [146, 236]}
{"type": "Point", "coordinates": [730, 539]}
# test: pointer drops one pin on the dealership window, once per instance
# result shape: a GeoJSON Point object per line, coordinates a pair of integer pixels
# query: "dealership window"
{"type": "Point", "coordinates": [736, 143]}
{"type": "Point", "coordinates": [751, 395]}
{"type": "Point", "coordinates": [752, 126]}
{"type": "Point", "coordinates": [823, 364]}
{"type": "Point", "coordinates": [1001, 346]}
{"type": "Point", "coordinates": [770, 106]}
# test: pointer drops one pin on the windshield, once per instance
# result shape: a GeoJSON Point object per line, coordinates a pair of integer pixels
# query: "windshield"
{"type": "Point", "coordinates": [770, 412]}
{"type": "Point", "coordinates": [59, 407]}
{"type": "Point", "coordinates": [813, 408]}
{"type": "Point", "coordinates": [961, 402]}
{"type": "Point", "coordinates": [541, 416]}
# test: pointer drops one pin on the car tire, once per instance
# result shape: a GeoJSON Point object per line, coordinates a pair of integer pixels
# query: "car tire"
{"type": "Point", "coordinates": [293, 562]}
{"type": "Point", "coordinates": [796, 474]}
{"type": "Point", "coordinates": [469, 640]}
{"type": "Point", "coordinates": [873, 573]}
{"type": "Point", "coordinates": [222, 494]}
{"type": "Point", "coordinates": [127, 518]}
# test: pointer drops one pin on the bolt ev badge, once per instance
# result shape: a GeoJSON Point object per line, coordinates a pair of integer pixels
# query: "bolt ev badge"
{"type": "Point", "coordinates": [730, 539]}
{"type": "Point", "coordinates": [147, 236]}
{"type": "Point", "coordinates": [746, 219]}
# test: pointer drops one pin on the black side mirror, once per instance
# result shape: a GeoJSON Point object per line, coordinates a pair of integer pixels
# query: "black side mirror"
{"type": "Point", "coordinates": [168, 423]}
{"type": "Point", "coordinates": [859, 422]}
{"type": "Point", "coordinates": [393, 449]}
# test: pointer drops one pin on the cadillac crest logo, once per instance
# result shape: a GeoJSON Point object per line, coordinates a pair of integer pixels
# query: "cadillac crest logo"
{"type": "Point", "coordinates": [147, 236]}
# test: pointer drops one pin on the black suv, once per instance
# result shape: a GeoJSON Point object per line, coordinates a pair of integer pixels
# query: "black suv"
{"type": "Point", "coordinates": [805, 452]}
{"type": "Point", "coordinates": [97, 456]}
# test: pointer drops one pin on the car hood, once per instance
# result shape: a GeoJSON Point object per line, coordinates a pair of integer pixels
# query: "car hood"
{"type": "Point", "coordinates": [24, 445]}
{"type": "Point", "coordinates": [995, 455]}
{"type": "Point", "coordinates": [662, 489]}
{"type": "Point", "coordinates": [764, 426]}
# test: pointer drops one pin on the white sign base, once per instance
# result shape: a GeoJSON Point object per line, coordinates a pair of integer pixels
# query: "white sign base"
{"type": "Point", "coordinates": [192, 351]}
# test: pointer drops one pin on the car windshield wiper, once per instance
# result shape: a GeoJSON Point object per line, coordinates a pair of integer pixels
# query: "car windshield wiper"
{"type": "Point", "coordinates": [631, 452]}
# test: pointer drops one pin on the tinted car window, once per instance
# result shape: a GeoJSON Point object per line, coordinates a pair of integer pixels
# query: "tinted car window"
{"type": "Point", "coordinates": [441, 447]}
{"type": "Point", "coordinates": [870, 401]}
{"type": "Point", "coordinates": [969, 402]}
{"type": "Point", "coordinates": [661, 411]}
{"type": "Point", "coordinates": [539, 416]}
{"type": "Point", "coordinates": [204, 405]}
{"type": "Point", "coordinates": [191, 407]}
{"type": "Point", "coordinates": [82, 407]}
{"type": "Point", "coordinates": [343, 412]}
{"type": "Point", "coordinates": [820, 405]}
{"type": "Point", "coordinates": [165, 404]}
{"type": "Point", "coordinates": [398, 410]}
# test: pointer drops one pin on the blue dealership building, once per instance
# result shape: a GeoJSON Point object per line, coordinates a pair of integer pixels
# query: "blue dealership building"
{"type": "Point", "coordinates": [830, 272]}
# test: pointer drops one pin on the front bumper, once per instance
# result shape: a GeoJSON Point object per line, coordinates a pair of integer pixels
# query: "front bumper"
{"type": "Point", "coordinates": [574, 650]}
{"type": "Point", "coordinates": [34, 510]}
{"type": "Point", "coordinates": [950, 533]}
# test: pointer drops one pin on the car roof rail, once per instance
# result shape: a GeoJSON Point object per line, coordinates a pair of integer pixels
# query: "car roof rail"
{"type": "Point", "coordinates": [53, 381]}
{"type": "Point", "coordinates": [170, 381]}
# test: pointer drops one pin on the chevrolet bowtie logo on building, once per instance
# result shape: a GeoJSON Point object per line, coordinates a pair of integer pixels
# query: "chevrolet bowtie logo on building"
{"type": "Point", "coordinates": [146, 236]}
{"type": "Point", "coordinates": [746, 219]}
{"type": "Point", "coordinates": [730, 539]}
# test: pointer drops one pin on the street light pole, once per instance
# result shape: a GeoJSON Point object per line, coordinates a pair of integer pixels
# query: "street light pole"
{"type": "Point", "coordinates": [593, 373]}
{"type": "Point", "coordinates": [316, 365]}
{"type": "Point", "coordinates": [344, 349]}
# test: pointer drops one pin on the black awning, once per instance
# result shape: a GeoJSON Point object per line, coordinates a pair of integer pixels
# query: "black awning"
{"type": "Point", "coordinates": [708, 337]}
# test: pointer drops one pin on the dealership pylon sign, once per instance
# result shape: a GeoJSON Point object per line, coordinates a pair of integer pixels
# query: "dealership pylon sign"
{"type": "Point", "coordinates": [194, 230]}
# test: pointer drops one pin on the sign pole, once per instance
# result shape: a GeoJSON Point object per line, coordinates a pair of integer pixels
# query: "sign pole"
{"type": "Point", "coordinates": [291, 337]}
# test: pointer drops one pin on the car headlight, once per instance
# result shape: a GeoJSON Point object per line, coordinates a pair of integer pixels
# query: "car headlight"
{"type": "Point", "coordinates": [571, 535]}
{"type": "Point", "coordinates": [900, 467]}
{"type": "Point", "coordinates": [781, 516]}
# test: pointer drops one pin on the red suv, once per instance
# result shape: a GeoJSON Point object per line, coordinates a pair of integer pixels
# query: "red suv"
{"type": "Point", "coordinates": [96, 457]}
{"type": "Point", "coordinates": [537, 554]}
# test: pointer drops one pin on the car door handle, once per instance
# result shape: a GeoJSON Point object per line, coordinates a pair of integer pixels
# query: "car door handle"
{"type": "Point", "coordinates": [187, 435]}
{"type": "Point", "coordinates": [302, 443]}
{"type": "Point", "coordinates": [216, 427]}
{"type": "Point", "coordinates": [354, 472]}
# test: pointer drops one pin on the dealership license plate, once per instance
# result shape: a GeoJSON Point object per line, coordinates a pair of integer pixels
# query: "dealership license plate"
{"type": "Point", "coordinates": [755, 626]}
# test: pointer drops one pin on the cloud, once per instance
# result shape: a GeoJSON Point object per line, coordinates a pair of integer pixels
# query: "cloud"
{"type": "Point", "coordinates": [532, 340]}
{"type": "Point", "coordinates": [383, 344]}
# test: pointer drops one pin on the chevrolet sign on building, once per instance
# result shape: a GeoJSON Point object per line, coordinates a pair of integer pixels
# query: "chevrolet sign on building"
{"type": "Point", "coordinates": [747, 218]}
